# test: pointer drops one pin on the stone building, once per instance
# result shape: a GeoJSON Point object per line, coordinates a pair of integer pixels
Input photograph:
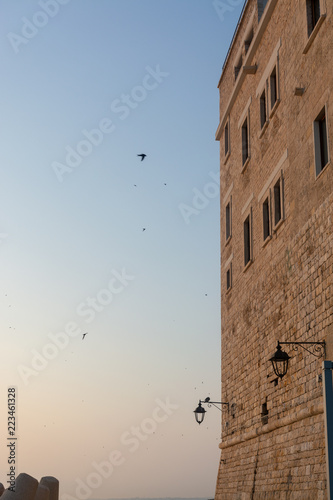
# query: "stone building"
{"type": "Point", "coordinates": [276, 142]}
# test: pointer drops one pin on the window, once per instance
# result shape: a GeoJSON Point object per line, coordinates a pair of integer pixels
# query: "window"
{"type": "Point", "coordinates": [269, 83]}
{"type": "Point", "coordinates": [277, 194]}
{"type": "Point", "coordinates": [245, 141]}
{"type": "Point", "coordinates": [261, 7]}
{"type": "Point", "coordinates": [228, 221]}
{"type": "Point", "coordinates": [238, 67]}
{"type": "Point", "coordinates": [226, 139]}
{"type": "Point", "coordinates": [264, 413]}
{"type": "Point", "coordinates": [248, 40]}
{"type": "Point", "coordinates": [247, 240]}
{"type": "Point", "coordinates": [263, 112]}
{"type": "Point", "coordinates": [313, 14]}
{"type": "Point", "coordinates": [320, 141]}
{"type": "Point", "coordinates": [273, 87]}
{"type": "Point", "coordinates": [244, 130]}
{"type": "Point", "coordinates": [229, 277]}
{"type": "Point", "coordinates": [266, 219]}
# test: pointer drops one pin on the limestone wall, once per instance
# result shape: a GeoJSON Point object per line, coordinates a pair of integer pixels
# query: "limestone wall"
{"type": "Point", "coordinates": [273, 435]}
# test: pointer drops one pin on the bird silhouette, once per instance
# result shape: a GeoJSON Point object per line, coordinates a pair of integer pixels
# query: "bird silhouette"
{"type": "Point", "coordinates": [143, 229]}
{"type": "Point", "coordinates": [84, 335]}
{"type": "Point", "coordinates": [143, 156]}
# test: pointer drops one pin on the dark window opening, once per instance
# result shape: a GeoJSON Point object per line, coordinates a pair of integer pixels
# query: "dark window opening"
{"type": "Point", "coordinates": [273, 87]}
{"type": "Point", "coordinates": [245, 141]}
{"type": "Point", "coordinates": [248, 40]}
{"type": "Point", "coordinates": [277, 202]}
{"type": "Point", "coordinates": [228, 221]}
{"type": "Point", "coordinates": [263, 114]}
{"type": "Point", "coordinates": [226, 139]}
{"type": "Point", "coordinates": [229, 278]}
{"type": "Point", "coordinates": [266, 221]}
{"type": "Point", "coordinates": [320, 141]}
{"type": "Point", "coordinates": [264, 414]}
{"type": "Point", "coordinates": [261, 7]}
{"type": "Point", "coordinates": [313, 14]}
{"type": "Point", "coordinates": [238, 67]}
{"type": "Point", "coordinates": [247, 241]}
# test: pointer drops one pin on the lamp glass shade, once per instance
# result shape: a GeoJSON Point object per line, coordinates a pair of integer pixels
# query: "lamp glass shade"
{"type": "Point", "coordinates": [199, 413]}
{"type": "Point", "coordinates": [280, 362]}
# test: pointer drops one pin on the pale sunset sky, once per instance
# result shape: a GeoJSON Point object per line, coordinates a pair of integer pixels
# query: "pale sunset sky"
{"type": "Point", "coordinates": [94, 240]}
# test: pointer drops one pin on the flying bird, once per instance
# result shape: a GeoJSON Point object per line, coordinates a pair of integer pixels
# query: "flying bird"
{"type": "Point", "coordinates": [143, 229]}
{"type": "Point", "coordinates": [84, 335]}
{"type": "Point", "coordinates": [143, 156]}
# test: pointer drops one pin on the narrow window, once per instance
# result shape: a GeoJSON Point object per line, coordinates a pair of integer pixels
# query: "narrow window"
{"type": "Point", "coordinates": [261, 7]}
{"type": "Point", "coordinates": [226, 139]}
{"type": "Point", "coordinates": [247, 240]}
{"type": "Point", "coordinates": [266, 219]}
{"type": "Point", "coordinates": [273, 87]}
{"type": "Point", "coordinates": [228, 221]}
{"type": "Point", "coordinates": [263, 115]}
{"type": "Point", "coordinates": [248, 40]}
{"type": "Point", "coordinates": [229, 277]}
{"type": "Point", "coordinates": [238, 67]}
{"type": "Point", "coordinates": [313, 14]}
{"type": "Point", "coordinates": [245, 141]}
{"type": "Point", "coordinates": [320, 141]}
{"type": "Point", "coordinates": [264, 413]}
{"type": "Point", "coordinates": [277, 202]}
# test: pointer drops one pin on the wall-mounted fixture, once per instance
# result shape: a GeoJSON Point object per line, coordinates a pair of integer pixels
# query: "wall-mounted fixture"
{"type": "Point", "coordinates": [199, 412]}
{"type": "Point", "coordinates": [281, 358]}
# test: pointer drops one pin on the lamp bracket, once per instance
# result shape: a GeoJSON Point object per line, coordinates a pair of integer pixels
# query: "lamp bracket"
{"type": "Point", "coordinates": [317, 349]}
{"type": "Point", "coordinates": [207, 401]}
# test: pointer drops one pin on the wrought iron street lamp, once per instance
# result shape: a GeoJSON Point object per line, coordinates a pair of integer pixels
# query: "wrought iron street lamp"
{"type": "Point", "coordinates": [199, 412]}
{"type": "Point", "coordinates": [281, 358]}
{"type": "Point", "coordinates": [280, 362]}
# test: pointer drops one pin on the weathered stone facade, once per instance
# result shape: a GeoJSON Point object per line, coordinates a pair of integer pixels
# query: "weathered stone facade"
{"type": "Point", "coordinates": [276, 112]}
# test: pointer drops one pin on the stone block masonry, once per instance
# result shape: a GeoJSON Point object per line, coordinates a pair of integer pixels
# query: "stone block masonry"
{"type": "Point", "coordinates": [278, 198]}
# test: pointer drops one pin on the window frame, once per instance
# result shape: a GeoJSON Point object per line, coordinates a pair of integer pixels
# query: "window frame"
{"type": "Point", "coordinates": [228, 221]}
{"type": "Point", "coordinates": [270, 72]}
{"type": "Point", "coordinates": [261, 4]}
{"type": "Point", "coordinates": [263, 108]}
{"type": "Point", "coordinates": [280, 181]}
{"type": "Point", "coordinates": [247, 240]}
{"type": "Point", "coordinates": [311, 16]}
{"type": "Point", "coordinates": [270, 193]}
{"type": "Point", "coordinates": [313, 25]}
{"type": "Point", "coordinates": [227, 139]}
{"type": "Point", "coordinates": [246, 146]}
{"type": "Point", "coordinates": [238, 66]}
{"type": "Point", "coordinates": [274, 77]}
{"type": "Point", "coordinates": [248, 38]}
{"type": "Point", "coordinates": [266, 218]}
{"type": "Point", "coordinates": [245, 118]}
{"type": "Point", "coordinates": [228, 275]}
{"type": "Point", "coordinates": [320, 136]}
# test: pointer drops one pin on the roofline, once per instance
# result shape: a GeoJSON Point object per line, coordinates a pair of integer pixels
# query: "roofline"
{"type": "Point", "coordinates": [233, 39]}
{"type": "Point", "coordinates": [265, 18]}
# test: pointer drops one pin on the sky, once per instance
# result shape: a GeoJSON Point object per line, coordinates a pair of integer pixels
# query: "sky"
{"type": "Point", "coordinates": [94, 240]}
